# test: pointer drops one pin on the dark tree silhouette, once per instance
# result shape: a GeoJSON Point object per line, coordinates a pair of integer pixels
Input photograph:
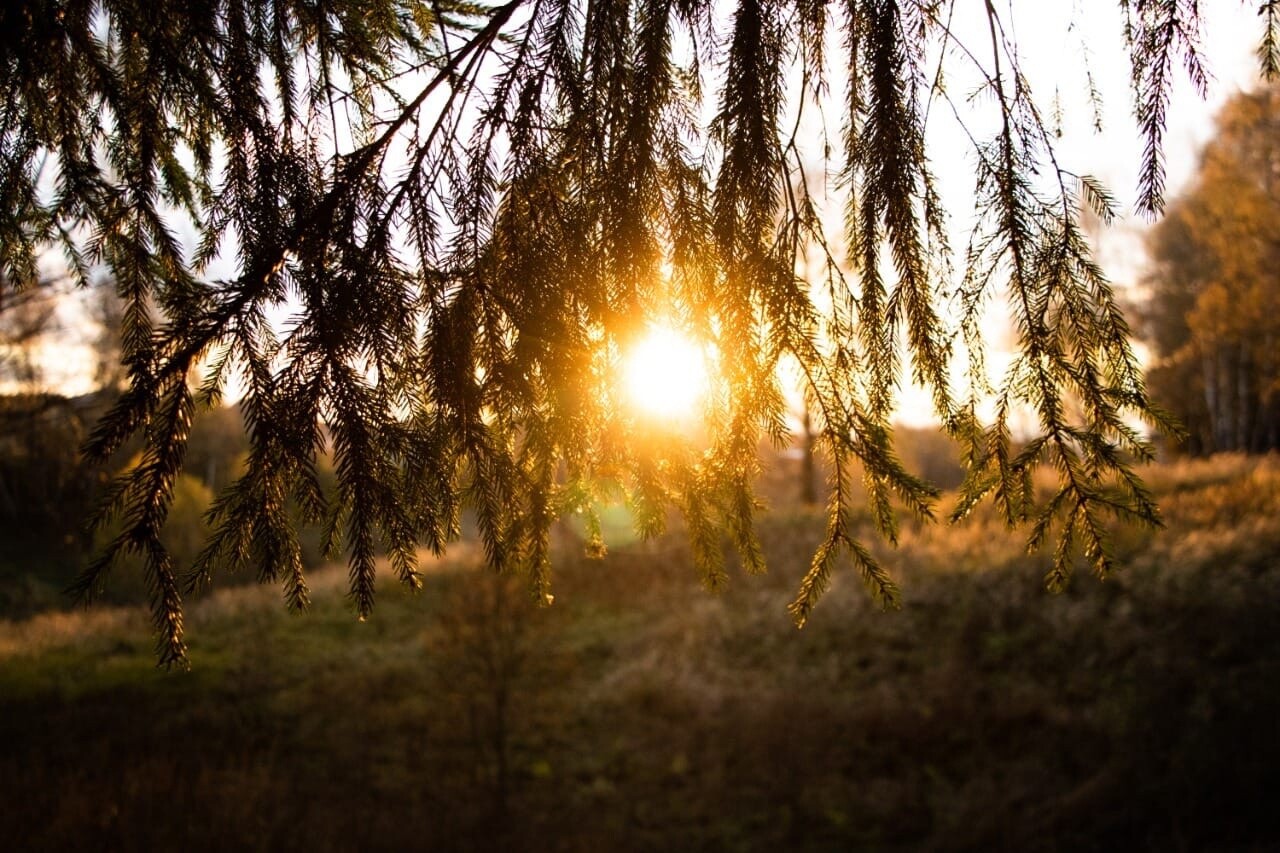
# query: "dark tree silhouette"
{"type": "Point", "coordinates": [471, 209]}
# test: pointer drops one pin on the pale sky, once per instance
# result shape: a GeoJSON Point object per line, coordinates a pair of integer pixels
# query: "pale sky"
{"type": "Point", "coordinates": [1231, 33]}
{"type": "Point", "coordinates": [1054, 40]}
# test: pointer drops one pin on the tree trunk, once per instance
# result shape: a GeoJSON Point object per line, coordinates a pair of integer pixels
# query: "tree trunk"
{"type": "Point", "coordinates": [808, 490]}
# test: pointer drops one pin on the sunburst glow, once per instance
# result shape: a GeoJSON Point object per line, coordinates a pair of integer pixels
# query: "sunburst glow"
{"type": "Point", "coordinates": [665, 374]}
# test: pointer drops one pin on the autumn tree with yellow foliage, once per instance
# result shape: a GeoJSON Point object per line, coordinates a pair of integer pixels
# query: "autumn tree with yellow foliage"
{"type": "Point", "coordinates": [1213, 315]}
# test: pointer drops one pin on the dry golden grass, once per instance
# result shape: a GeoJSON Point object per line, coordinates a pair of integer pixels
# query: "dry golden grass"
{"type": "Point", "coordinates": [71, 629]}
{"type": "Point", "coordinates": [645, 713]}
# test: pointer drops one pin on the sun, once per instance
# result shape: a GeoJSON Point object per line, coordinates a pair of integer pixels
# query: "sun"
{"type": "Point", "coordinates": [665, 375]}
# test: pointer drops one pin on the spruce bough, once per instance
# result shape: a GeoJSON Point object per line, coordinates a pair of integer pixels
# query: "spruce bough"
{"type": "Point", "coordinates": [470, 210]}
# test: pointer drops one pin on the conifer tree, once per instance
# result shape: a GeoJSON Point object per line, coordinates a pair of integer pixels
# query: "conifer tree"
{"type": "Point", "coordinates": [469, 209]}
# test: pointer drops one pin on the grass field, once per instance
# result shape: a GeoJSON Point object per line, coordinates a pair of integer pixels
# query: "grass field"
{"type": "Point", "coordinates": [643, 713]}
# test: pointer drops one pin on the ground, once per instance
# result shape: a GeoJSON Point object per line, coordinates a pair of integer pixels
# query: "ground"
{"type": "Point", "coordinates": [641, 712]}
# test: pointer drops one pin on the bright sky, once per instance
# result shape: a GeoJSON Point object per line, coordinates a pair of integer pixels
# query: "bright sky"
{"type": "Point", "coordinates": [1055, 39]}
{"type": "Point", "coordinates": [1056, 65]}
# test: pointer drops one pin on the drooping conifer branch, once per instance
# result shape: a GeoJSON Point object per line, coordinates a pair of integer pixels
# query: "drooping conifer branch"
{"type": "Point", "coordinates": [467, 211]}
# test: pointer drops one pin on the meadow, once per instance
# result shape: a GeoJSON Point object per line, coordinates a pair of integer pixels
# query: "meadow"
{"type": "Point", "coordinates": [641, 712]}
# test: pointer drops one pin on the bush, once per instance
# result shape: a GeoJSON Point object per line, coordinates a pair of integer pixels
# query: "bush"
{"type": "Point", "coordinates": [184, 535]}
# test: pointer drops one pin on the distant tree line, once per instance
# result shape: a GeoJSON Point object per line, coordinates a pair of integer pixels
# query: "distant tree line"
{"type": "Point", "coordinates": [1212, 314]}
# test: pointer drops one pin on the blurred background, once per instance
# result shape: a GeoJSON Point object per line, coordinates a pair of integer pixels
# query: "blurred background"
{"type": "Point", "coordinates": [642, 712]}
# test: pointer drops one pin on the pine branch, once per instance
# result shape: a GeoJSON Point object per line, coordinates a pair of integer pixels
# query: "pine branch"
{"type": "Point", "coordinates": [471, 211]}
